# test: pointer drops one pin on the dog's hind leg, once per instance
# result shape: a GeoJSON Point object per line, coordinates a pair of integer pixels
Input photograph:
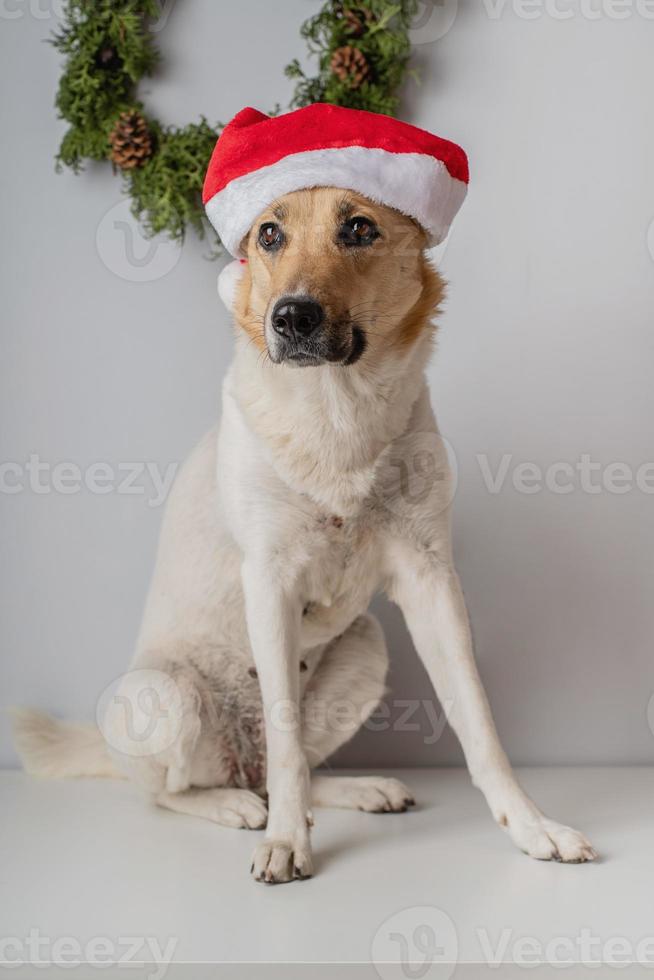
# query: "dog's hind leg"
{"type": "Point", "coordinates": [192, 723]}
{"type": "Point", "coordinates": [227, 806]}
{"type": "Point", "coordinates": [152, 724]}
{"type": "Point", "coordinates": [344, 690]}
{"type": "Point", "coordinates": [374, 794]}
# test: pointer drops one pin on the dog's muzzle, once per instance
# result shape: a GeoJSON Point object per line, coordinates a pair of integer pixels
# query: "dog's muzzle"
{"type": "Point", "coordinates": [297, 322]}
{"type": "Point", "coordinates": [302, 336]}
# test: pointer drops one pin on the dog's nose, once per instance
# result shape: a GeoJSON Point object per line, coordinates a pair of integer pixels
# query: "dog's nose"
{"type": "Point", "coordinates": [297, 319]}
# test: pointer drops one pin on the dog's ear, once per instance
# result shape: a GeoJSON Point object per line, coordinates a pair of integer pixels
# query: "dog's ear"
{"type": "Point", "coordinates": [432, 293]}
{"type": "Point", "coordinates": [229, 280]}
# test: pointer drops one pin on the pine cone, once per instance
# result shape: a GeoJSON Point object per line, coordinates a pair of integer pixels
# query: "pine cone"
{"type": "Point", "coordinates": [357, 20]}
{"type": "Point", "coordinates": [131, 141]}
{"type": "Point", "coordinates": [350, 65]}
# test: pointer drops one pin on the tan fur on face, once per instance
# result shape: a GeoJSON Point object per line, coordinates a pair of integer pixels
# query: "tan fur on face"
{"type": "Point", "coordinates": [388, 289]}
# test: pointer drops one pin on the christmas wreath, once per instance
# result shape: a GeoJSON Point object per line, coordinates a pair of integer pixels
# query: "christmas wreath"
{"type": "Point", "coordinates": [362, 47]}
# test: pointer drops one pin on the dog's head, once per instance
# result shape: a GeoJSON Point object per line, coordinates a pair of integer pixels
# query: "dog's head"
{"type": "Point", "coordinates": [332, 275]}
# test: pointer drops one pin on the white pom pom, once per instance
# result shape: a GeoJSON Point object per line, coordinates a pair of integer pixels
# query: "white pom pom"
{"type": "Point", "coordinates": [228, 280]}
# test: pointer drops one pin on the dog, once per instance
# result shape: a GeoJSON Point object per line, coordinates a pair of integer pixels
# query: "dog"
{"type": "Point", "coordinates": [280, 528]}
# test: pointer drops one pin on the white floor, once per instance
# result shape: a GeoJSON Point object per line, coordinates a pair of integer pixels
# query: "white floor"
{"type": "Point", "coordinates": [84, 861]}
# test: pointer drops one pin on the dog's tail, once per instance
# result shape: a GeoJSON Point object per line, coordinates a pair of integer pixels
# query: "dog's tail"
{"type": "Point", "coordinates": [60, 749]}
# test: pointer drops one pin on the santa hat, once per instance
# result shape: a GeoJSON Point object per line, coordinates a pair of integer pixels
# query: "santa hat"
{"type": "Point", "coordinates": [259, 158]}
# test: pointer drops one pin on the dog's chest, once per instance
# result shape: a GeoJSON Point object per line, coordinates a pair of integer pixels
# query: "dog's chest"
{"type": "Point", "coordinates": [342, 572]}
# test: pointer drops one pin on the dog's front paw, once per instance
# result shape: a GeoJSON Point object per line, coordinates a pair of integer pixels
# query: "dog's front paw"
{"type": "Point", "coordinates": [547, 840]}
{"type": "Point", "coordinates": [278, 861]}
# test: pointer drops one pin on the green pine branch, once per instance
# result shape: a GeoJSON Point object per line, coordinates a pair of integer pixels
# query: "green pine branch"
{"type": "Point", "coordinates": [108, 48]}
{"type": "Point", "coordinates": [384, 42]}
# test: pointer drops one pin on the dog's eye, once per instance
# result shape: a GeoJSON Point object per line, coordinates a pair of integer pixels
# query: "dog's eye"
{"type": "Point", "coordinates": [270, 236]}
{"type": "Point", "coordinates": [358, 231]}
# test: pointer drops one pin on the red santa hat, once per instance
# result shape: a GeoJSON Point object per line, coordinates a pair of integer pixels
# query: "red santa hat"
{"type": "Point", "coordinates": [259, 158]}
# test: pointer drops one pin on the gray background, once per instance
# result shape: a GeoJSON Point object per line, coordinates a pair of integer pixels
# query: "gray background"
{"type": "Point", "coordinates": [546, 352]}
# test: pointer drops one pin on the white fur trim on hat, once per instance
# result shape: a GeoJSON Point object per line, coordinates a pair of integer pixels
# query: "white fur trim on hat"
{"type": "Point", "coordinates": [414, 183]}
{"type": "Point", "coordinates": [228, 280]}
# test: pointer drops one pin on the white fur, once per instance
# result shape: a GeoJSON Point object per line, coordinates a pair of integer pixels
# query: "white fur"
{"type": "Point", "coordinates": [228, 280]}
{"type": "Point", "coordinates": [56, 749]}
{"type": "Point", "coordinates": [414, 183]}
{"type": "Point", "coordinates": [249, 542]}
{"type": "Point", "coordinates": [279, 530]}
